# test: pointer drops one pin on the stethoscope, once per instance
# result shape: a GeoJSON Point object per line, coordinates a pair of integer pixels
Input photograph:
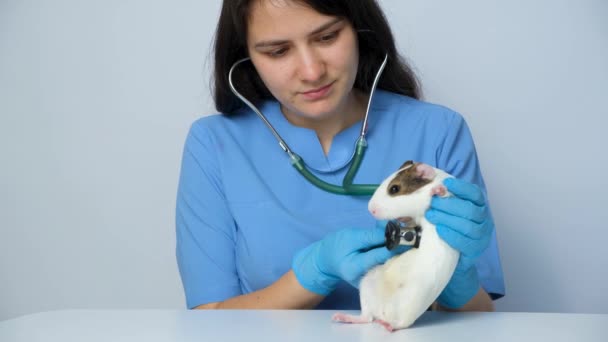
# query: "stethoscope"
{"type": "Point", "coordinates": [396, 233]}
{"type": "Point", "coordinates": [347, 188]}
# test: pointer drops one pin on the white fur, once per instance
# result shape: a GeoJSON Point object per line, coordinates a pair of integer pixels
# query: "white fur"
{"type": "Point", "coordinates": [402, 289]}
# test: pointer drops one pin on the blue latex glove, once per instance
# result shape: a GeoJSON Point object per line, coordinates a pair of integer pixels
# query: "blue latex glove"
{"type": "Point", "coordinates": [346, 255]}
{"type": "Point", "coordinates": [463, 221]}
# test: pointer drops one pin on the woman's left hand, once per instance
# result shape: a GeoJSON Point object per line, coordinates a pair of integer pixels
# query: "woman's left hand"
{"type": "Point", "coordinates": [463, 221]}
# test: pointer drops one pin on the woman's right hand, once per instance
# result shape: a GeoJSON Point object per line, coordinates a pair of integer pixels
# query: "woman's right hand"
{"type": "Point", "coordinates": [346, 255]}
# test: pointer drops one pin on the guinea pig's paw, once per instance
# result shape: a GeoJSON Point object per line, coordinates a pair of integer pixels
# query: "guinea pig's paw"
{"type": "Point", "coordinates": [345, 318]}
{"type": "Point", "coordinates": [425, 171]}
{"type": "Point", "coordinates": [385, 324]}
{"type": "Point", "coordinates": [439, 190]}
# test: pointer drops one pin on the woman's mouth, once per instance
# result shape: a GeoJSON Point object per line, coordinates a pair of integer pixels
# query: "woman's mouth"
{"type": "Point", "coordinates": [318, 93]}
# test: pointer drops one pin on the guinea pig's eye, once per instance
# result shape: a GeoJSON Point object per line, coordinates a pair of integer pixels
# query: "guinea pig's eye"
{"type": "Point", "coordinates": [394, 189]}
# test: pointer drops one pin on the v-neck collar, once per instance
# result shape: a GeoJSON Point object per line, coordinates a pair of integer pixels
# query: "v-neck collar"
{"type": "Point", "coordinates": [305, 143]}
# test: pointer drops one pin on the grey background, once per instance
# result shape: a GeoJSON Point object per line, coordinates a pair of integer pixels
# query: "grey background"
{"type": "Point", "coordinates": [96, 98]}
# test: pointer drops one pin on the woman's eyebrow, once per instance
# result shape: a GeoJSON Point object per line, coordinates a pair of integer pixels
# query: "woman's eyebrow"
{"type": "Point", "coordinates": [313, 32]}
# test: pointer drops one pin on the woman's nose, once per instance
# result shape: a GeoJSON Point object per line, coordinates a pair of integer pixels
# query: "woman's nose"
{"type": "Point", "coordinates": [312, 66]}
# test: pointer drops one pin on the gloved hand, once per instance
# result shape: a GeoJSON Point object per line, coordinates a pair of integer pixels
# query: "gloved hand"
{"type": "Point", "coordinates": [346, 254]}
{"type": "Point", "coordinates": [463, 221]}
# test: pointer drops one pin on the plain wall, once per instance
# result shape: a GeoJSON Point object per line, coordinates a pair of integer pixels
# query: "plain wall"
{"type": "Point", "coordinates": [96, 98]}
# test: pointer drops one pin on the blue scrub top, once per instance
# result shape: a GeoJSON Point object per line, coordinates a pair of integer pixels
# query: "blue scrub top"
{"type": "Point", "coordinates": [243, 211]}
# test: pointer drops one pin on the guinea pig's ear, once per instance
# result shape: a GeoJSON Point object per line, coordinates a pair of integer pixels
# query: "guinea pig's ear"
{"type": "Point", "coordinates": [406, 164]}
{"type": "Point", "coordinates": [425, 171]}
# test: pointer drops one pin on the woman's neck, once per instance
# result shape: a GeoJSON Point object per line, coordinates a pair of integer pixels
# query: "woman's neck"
{"type": "Point", "coordinates": [327, 128]}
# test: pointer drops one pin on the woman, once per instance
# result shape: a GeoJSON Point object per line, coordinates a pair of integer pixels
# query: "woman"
{"type": "Point", "coordinates": [251, 231]}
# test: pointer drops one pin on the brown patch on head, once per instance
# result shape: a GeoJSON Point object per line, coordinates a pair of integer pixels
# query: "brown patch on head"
{"type": "Point", "coordinates": [407, 180]}
{"type": "Point", "coordinates": [407, 163]}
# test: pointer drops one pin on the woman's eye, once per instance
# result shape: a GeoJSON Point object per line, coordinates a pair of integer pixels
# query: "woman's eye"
{"type": "Point", "coordinates": [277, 53]}
{"type": "Point", "coordinates": [328, 37]}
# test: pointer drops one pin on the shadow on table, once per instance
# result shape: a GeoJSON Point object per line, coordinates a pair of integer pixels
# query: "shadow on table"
{"type": "Point", "coordinates": [437, 318]}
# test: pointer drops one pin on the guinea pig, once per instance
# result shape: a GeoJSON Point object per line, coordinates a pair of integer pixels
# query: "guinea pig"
{"type": "Point", "coordinates": [399, 291]}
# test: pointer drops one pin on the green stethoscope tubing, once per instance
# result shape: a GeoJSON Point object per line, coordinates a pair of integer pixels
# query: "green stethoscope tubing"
{"type": "Point", "coordinates": [347, 188]}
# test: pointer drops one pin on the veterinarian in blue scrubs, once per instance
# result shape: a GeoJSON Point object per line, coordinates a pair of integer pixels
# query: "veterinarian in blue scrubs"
{"type": "Point", "coordinates": [251, 231]}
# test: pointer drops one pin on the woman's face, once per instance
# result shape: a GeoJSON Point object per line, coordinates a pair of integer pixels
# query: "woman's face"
{"type": "Point", "coordinates": [307, 60]}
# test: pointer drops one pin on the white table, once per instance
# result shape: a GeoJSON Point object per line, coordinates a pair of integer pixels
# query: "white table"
{"type": "Point", "coordinates": [301, 325]}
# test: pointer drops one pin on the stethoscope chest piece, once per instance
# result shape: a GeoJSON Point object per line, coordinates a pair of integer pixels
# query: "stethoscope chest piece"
{"type": "Point", "coordinates": [398, 233]}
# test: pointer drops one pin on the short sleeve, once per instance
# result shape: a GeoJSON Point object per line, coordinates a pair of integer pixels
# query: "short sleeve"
{"type": "Point", "coordinates": [205, 230]}
{"type": "Point", "coordinates": [456, 155]}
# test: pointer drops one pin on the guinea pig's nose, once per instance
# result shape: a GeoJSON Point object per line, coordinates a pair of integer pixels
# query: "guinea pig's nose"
{"type": "Point", "coordinates": [373, 210]}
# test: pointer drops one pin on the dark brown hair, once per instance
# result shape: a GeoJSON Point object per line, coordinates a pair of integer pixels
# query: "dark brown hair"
{"type": "Point", "coordinates": [374, 36]}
